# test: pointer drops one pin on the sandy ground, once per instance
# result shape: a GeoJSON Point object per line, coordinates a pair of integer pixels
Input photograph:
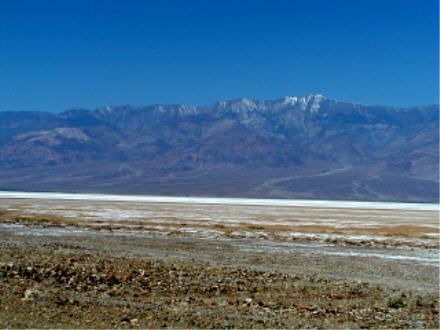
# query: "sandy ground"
{"type": "Point", "coordinates": [101, 263]}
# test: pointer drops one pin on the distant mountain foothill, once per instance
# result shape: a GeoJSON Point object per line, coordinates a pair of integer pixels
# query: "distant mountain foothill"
{"type": "Point", "coordinates": [307, 147]}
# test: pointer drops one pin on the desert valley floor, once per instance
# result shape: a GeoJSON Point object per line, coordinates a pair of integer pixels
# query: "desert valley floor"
{"type": "Point", "coordinates": [76, 260]}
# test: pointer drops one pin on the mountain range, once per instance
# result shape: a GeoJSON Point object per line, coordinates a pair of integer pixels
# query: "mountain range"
{"type": "Point", "coordinates": [309, 147]}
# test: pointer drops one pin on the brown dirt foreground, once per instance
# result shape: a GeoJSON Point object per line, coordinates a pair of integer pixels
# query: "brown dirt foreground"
{"type": "Point", "coordinates": [46, 285]}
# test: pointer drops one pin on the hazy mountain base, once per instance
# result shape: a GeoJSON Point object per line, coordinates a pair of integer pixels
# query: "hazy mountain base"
{"type": "Point", "coordinates": [339, 184]}
{"type": "Point", "coordinates": [295, 147]}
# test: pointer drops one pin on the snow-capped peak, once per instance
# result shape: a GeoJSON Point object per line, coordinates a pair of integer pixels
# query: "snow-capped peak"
{"type": "Point", "coordinates": [303, 102]}
{"type": "Point", "coordinates": [290, 100]}
{"type": "Point", "coordinates": [242, 104]}
{"type": "Point", "coordinates": [249, 103]}
{"type": "Point", "coordinates": [316, 102]}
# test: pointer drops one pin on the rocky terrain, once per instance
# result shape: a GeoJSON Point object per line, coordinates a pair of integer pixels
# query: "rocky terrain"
{"type": "Point", "coordinates": [46, 283]}
{"type": "Point", "coordinates": [99, 262]}
{"type": "Point", "coordinates": [294, 147]}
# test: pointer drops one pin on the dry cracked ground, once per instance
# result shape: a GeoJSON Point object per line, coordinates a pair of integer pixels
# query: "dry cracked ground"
{"type": "Point", "coordinates": [58, 269]}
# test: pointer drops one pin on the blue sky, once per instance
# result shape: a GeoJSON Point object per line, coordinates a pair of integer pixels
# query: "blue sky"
{"type": "Point", "coordinates": [55, 55]}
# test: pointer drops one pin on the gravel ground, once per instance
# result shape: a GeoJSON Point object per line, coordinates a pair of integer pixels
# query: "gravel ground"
{"type": "Point", "coordinates": [108, 281]}
{"type": "Point", "coordinates": [67, 272]}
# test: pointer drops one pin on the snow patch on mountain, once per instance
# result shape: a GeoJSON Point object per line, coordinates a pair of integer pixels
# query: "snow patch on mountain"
{"type": "Point", "coordinates": [187, 110]}
{"type": "Point", "coordinates": [240, 105]}
{"type": "Point", "coordinates": [316, 103]}
{"type": "Point", "coordinates": [290, 100]}
{"type": "Point", "coordinates": [311, 102]}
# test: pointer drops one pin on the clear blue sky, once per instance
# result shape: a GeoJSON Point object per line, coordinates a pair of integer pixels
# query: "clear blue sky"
{"type": "Point", "coordinates": [55, 55]}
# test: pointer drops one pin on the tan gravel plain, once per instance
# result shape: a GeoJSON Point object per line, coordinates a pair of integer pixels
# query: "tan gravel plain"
{"type": "Point", "coordinates": [63, 272]}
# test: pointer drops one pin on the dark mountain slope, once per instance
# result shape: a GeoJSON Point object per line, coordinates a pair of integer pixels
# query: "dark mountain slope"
{"type": "Point", "coordinates": [295, 147]}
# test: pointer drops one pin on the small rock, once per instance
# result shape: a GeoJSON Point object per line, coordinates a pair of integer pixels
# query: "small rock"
{"type": "Point", "coordinates": [105, 295]}
{"type": "Point", "coordinates": [30, 294]}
